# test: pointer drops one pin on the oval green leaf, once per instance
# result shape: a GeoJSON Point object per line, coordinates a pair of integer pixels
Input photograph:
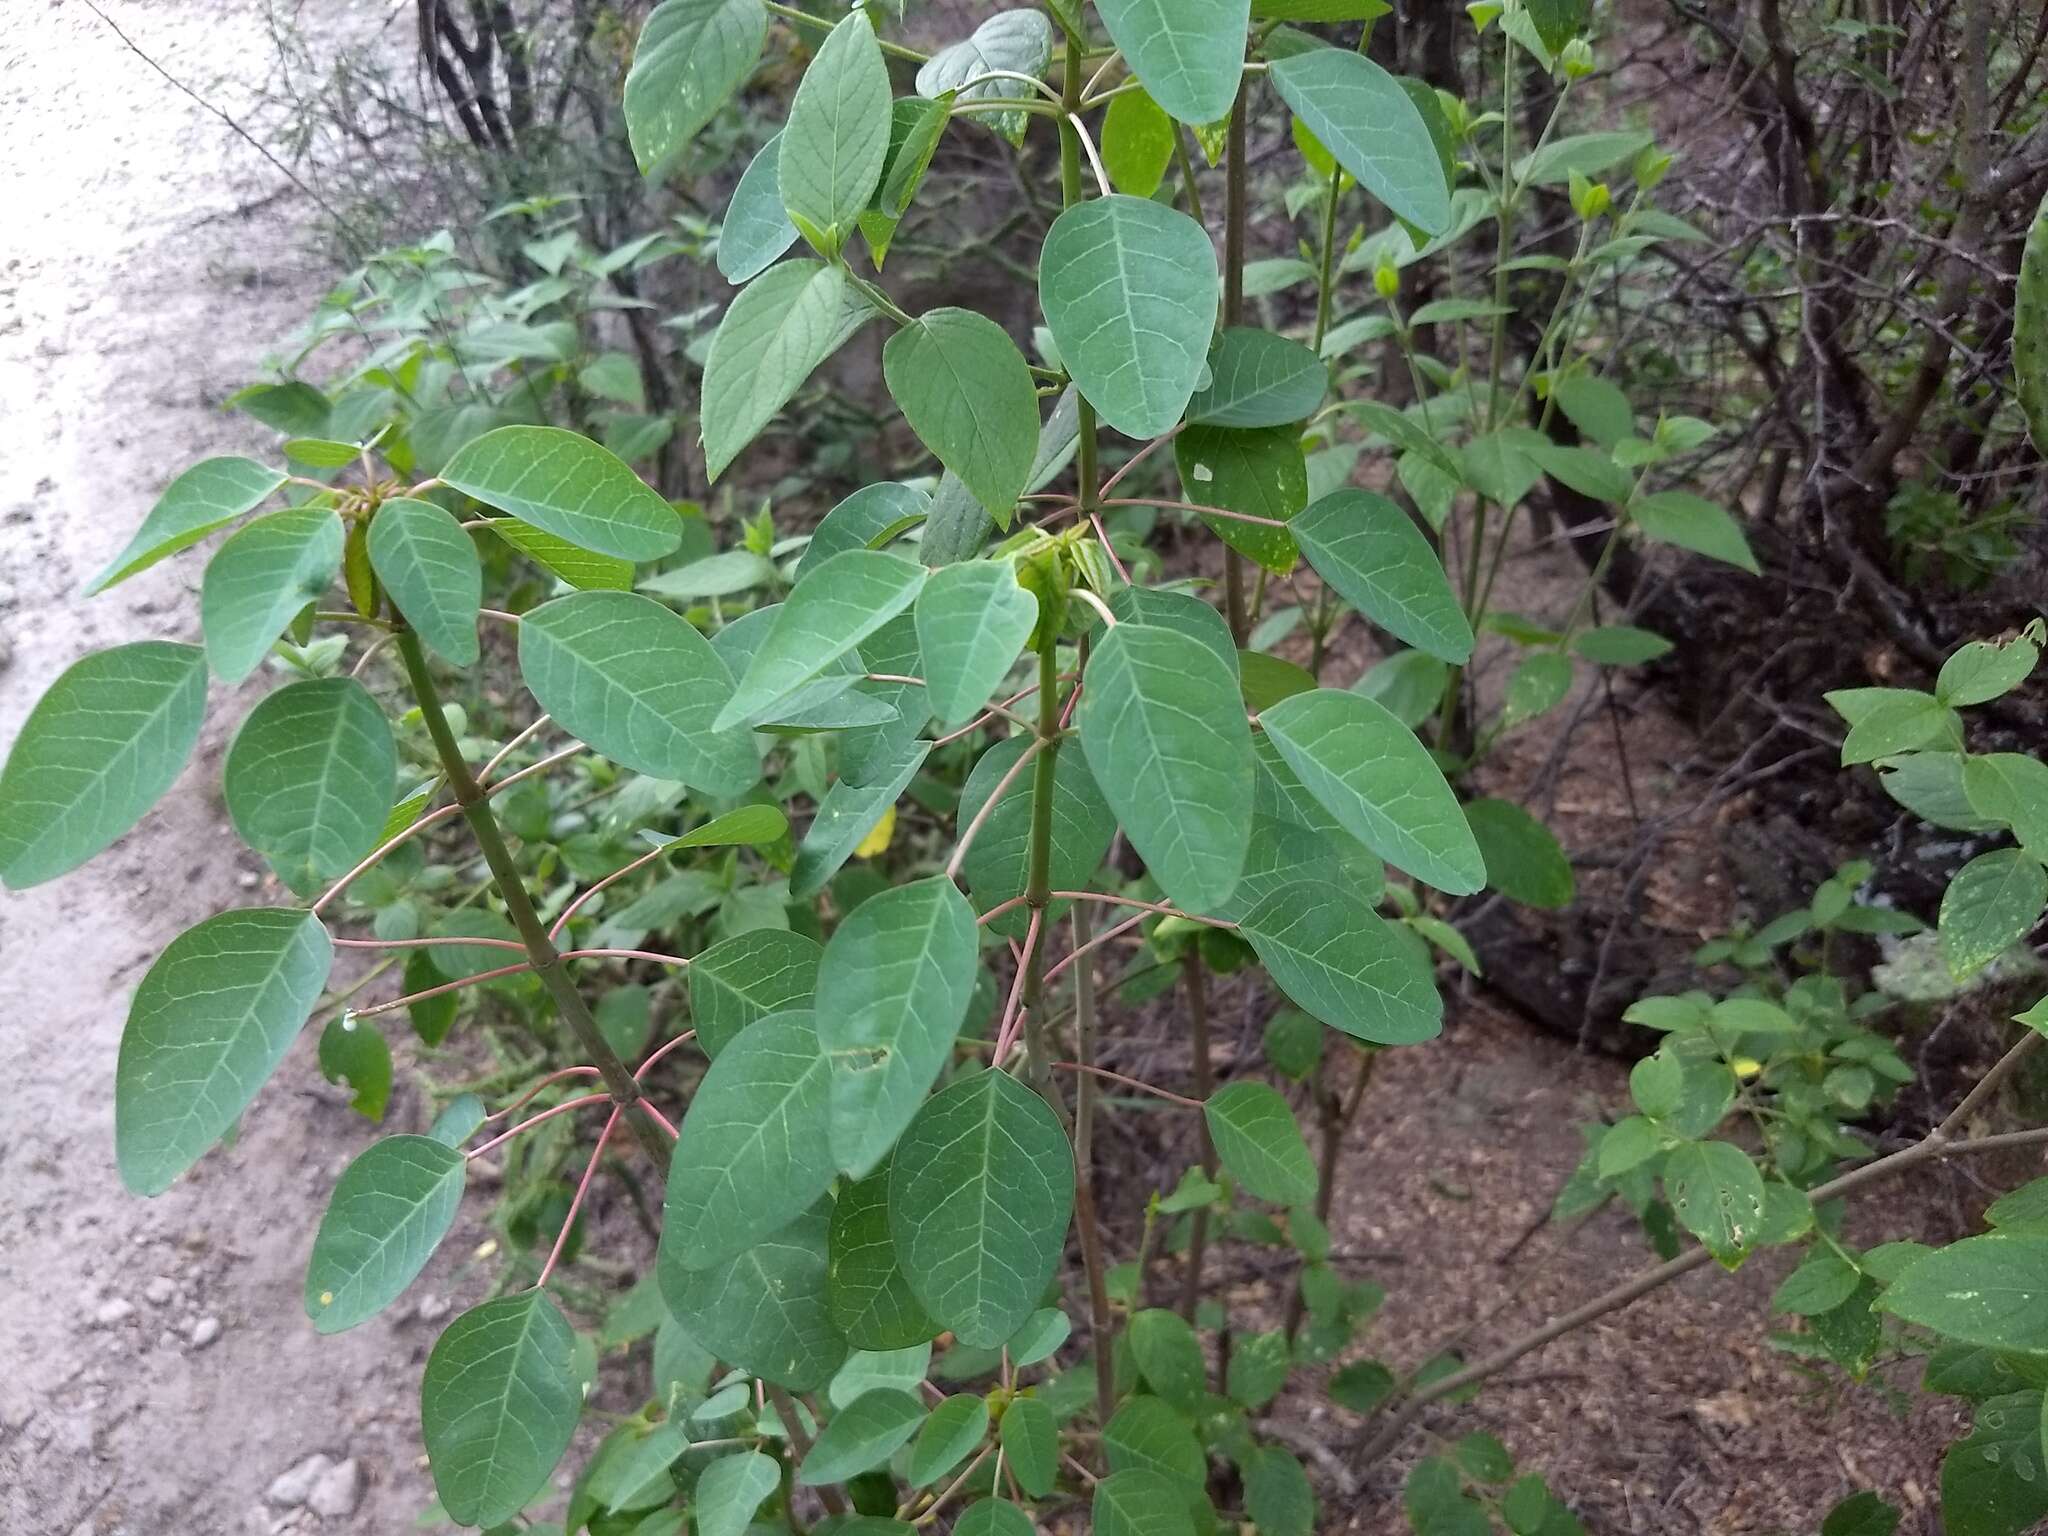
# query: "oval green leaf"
{"type": "Point", "coordinates": [429, 566]}
{"type": "Point", "coordinates": [744, 979]}
{"type": "Point", "coordinates": [498, 1406]}
{"type": "Point", "coordinates": [388, 1213]}
{"type": "Point", "coordinates": [967, 393]}
{"type": "Point", "coordinates": [210, 1022]}
{"type": "Point", "coordinates": [1260, 1143]}
{"type": "Point", "coordinates": [828, 613]}
{"type": "Point", "coordinates": [980, 1192]}
{"type": "Point", "coordinates": [1189, 53]}
{"type": "Point", "coordinates": [566, 485]}
{"type": "Point", "coordinates": [310, 778]}
{"type": "Point", "coordinates": [1129, 289]}
{"type": "Point", "coordinates": [1258, 379]}
{"type": "Point", "coordinates": [209, 495]}
{"type": "Point", "coordinates": [837, 138]}
{"type": "Point", "coordinates": [863, 1435]}
{"type": "Point", "coordinates": [972, 621]}
{"type": "Point", "coordinates": [692, 55]}
{"type": "Point", "coordinates": [765, 1311]}
{"type": "Point", "coordinates": [640, 685]}
{"type": "Point", "coordinates": [96, 752]}
{"type": "Point", "coordinates": [259, 579]}
{"type": "Point", "coordinates": [1379, 562]}
{"type": "Point", "coordinates": [872, 1301]}
{"type": "Point", "coordinates": [1335, 957]}
{"type": "Point", "coordinates": [1364, 117]}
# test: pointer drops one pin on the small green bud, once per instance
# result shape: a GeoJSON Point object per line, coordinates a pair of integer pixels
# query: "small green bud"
{"type": "Point", "coordinates": [1386, 282]}
{"type": "Point", "coordinates": [1651, 167]}
{"type": "Point", "coordinates": [1484, 12]}
{"type": "Point", "coordinates": [1590, 199]}
{"type": "Point", "coordinates": [1577, 59]}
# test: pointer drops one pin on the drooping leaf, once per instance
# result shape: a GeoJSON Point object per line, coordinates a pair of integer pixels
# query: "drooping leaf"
{"type": "Point", "coordinates": [778, 329]}
{"type": "Point", "coordinates": [1030, 1443]}
{"type": "Point", "coordinates": [756, 230]}
{"type": "Point", "coordinates": [1991, 904]}
{"type": "Point", "coordinates": [1334, 956]}
{"type": "Point", "coordinates": [640, 685]}
{"type": "Point", "coordinates": [837, 137]}
{"type": "Point", "coordinates": [967, 393]}
{"type": "Point", "coordinates": [564, 484]}
{"type": "Point", "coordinates": [692, 55]}
{"type": "Point", "coordinates": [1260, 1144]}
{"type": "Point", "coordinates": [1261, 473]}
{"type": "Point", "coordinates": [259, 579]}
{"type": "Point", "coordinates": [953, 1429]}
{"type": "Point", "coordinates": [498, 1406]}
{"type": "Point", "coordinates": [1129, 290]}
{"type": "Point", "coordinates": [872, 1302]}
{"type": "Point", "coordinates": [1169, 1356]}
{"type": "Point", "coordinates": [1365, 118]}
{"type": "Point", "coordinates": [980, 1191]}
{"type": "Point", "coordinates": [1379, 562]}
{"type": "Point", "coordinates": [1523, 859]}
{"type": "Point", "coordinates": [210, 1022]}
{"type": "Point", "coordinates": [972, 621]}
{"type": "Point", "coordinates": [861, 1436]}
{"type": "Point", "coordinates": [828, 613]}
{"type": "Point", "coordinates": [847, 815]}
{"type": "Point", "coordinates": [1691, 522]}
{"type": "Point", "coordinates": [388, 1213]}
{"type": "Point", "coordinates": [755, 1150]}
{"type": "Point", "coordinates": [897, 977]}
{"type": "Point", "coordinates": [1166, 736]}
{"type": "Point", "coordinates": [1188, 53]}
{"type": "Point", "coordinates": [96, 752]}
{"type": "Point", "coordinates": [429, 566]}
{"type": "Point", "coordinates": [731, 1490]}
{"type": "Point", "coordinates": [1258, 379]}
{"type": "Point", "coordinates": [208, 496]}
{"type": "Point", "coordinates": [310, 777]}
{"type": "Point", "coordinates": [765, 1311]}
{"type": "Point", "coordinates": [2030, 330]}
{"type": "Point", "coordinates": [1019, 41]}
{"type": "Point", "coordinates": [1368, 770]}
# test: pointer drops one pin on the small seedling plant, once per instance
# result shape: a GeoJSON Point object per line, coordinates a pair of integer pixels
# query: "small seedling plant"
{"type": "Point", "coordinates": [876, 1133]}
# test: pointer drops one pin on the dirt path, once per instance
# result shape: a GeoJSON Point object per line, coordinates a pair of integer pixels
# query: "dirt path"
{"type": "Point", "coordinates": [156, 1370]}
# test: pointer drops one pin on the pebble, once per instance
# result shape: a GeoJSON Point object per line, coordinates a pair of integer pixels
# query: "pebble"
{"type": "Point", "coordinates": [112, 1314]}
{"type": "Point", "coordinates": [294, 1486]}
{"type": "Point", "coordinates": [205, 1331]}
{"type": "Point", "coordinates": [160, 1291]}
{"type": "Point", "coordinates": [431, 1309]}
{"type": "Point", "coordinates": [337, 1491]}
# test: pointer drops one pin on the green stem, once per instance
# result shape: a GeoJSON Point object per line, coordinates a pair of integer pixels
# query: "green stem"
{"type": "Point", "coordinates": [533, 933]}
{"type": "Point", "coordinates": [1235, 198]}
{"type": "Point", "coordinates": [1194, 975]}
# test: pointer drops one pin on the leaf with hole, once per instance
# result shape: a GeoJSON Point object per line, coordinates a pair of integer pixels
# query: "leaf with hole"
{"type": "Point", "coordinates": [898, 975]}
{"type": "Point", "coordinates": [1258, 473]}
